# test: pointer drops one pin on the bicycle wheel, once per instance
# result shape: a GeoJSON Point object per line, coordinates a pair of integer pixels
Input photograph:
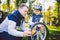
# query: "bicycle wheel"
{"type": "Point", "coordinates": [39, 31]}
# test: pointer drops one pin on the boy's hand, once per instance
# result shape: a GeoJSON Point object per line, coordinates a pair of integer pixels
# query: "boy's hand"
{"type": "Point", "coordinates": [41, 28]}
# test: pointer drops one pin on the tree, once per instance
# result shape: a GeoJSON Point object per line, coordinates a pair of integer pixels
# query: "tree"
{"type": "Point", "coordinates": [8, 2]}
{"type": "Point", "coordinates": [58, 11]}
{"type": "Point", "coordinates": [18, 2]}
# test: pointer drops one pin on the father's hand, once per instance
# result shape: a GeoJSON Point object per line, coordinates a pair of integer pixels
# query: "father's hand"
{"type": "Point", "coordinates": [27, 33]}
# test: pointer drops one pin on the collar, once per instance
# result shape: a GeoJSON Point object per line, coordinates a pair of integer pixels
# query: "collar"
{"type": "Point", "coordinates": [37, 15]}
{"type": "Point", "coordinates": [17, 13]}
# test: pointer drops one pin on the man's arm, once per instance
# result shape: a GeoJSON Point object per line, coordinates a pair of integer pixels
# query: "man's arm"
{"type": "Point", "coordinates": [12, 30]}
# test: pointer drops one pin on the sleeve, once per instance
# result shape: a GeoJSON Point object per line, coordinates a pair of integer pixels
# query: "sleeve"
{"type": "Point", "coordinates": [12, 31]}
{"type": "Point", "coordinates": [41, 20]}
{"type": "Point", "coordinates": [30, 21]}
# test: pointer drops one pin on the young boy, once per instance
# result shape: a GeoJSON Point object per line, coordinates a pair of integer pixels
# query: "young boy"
{"type": "Point", "coordinates": [36, 16]}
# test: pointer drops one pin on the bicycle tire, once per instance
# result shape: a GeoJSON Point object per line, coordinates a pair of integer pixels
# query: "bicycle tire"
{"type": "Point", "coordinates": [47, 32]}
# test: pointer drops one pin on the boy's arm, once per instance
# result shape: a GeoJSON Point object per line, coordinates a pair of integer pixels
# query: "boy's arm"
{"type": "Point", "coordinates": [41, 20]}
{"type": "Point", "coordinates": [30, 21]}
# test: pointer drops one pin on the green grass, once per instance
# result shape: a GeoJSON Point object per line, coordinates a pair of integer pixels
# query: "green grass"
{"type": "Point", "coordinates": [54, 28]}
{"type": "Point", "coordinates": [53, 31]}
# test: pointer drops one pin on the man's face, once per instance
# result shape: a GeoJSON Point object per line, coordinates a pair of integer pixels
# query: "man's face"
{"type": "Point", "coordinates": [24, 11]}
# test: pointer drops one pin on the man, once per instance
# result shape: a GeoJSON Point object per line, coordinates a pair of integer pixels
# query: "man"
{"type": "Point", "coordinates": [9, 26]}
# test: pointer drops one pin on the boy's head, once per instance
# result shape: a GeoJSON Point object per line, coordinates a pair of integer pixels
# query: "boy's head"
{"type": "Point", "coordinates": [37, 9]}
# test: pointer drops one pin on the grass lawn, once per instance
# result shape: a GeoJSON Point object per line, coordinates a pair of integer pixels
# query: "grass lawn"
{"type": "Point", "coordinates": [54, 32]}
{"type": "Point", "coordinates": [54, 28]}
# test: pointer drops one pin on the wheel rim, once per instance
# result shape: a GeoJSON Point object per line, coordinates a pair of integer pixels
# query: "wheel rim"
{"type": "Point", "coordinates": [40, 35]}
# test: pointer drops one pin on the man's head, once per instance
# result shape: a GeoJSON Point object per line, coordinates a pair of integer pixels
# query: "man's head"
{"type": "Point", "coordinates": [23, 9]}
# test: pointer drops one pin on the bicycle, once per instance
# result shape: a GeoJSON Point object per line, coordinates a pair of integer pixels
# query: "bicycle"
{"type": "Point", "coordinates": [37, 34]}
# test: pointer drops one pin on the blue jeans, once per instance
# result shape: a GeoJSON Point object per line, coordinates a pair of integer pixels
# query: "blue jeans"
{"type": "Point", "coordinates": [6, 36]}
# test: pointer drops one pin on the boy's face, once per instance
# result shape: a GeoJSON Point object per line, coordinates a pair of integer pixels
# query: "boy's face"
{"type": "Point", "coordinates": [37, 12]}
